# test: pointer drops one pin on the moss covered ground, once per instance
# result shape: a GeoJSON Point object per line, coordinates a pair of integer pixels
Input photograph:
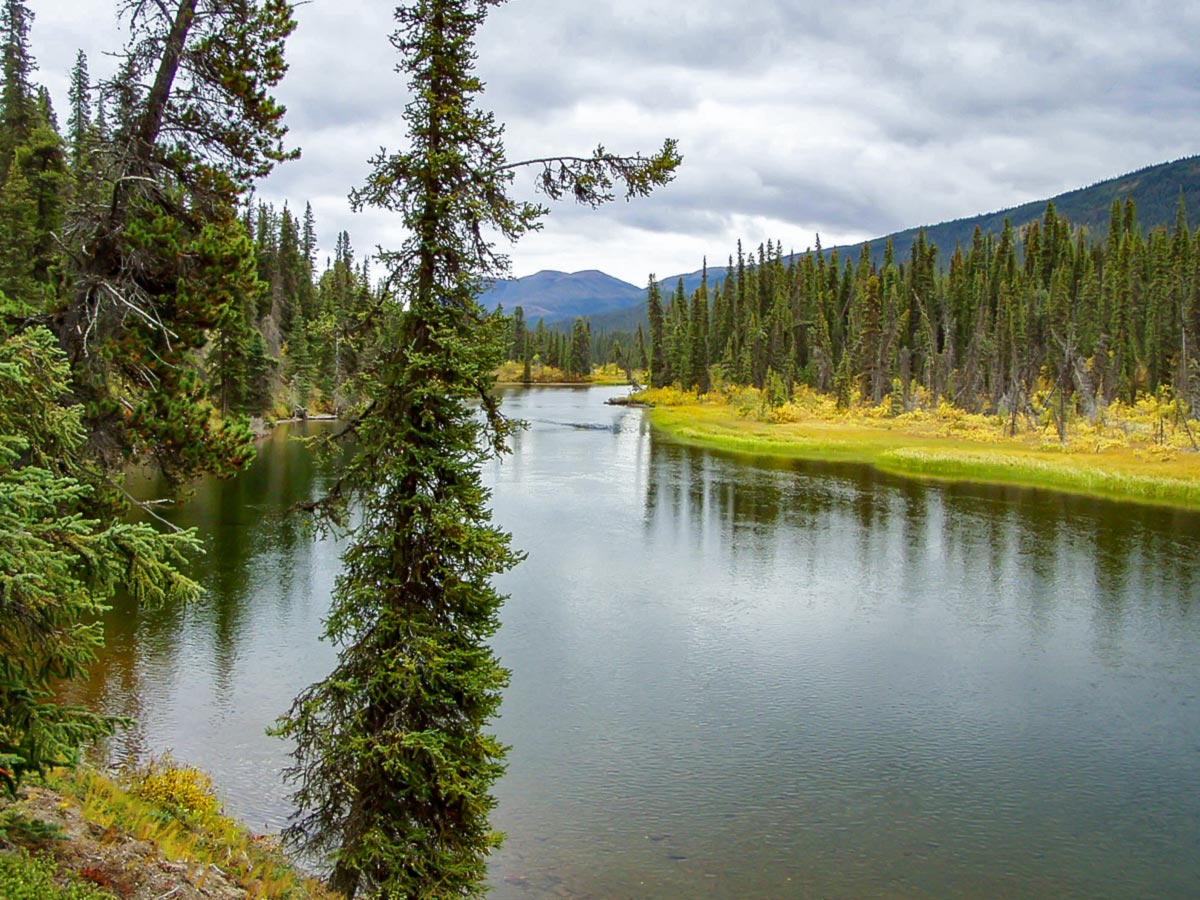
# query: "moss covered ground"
{"type": "Point", "coordinates": [1142, 453]}
{"type": "Point", "coordinates": [148, 834]}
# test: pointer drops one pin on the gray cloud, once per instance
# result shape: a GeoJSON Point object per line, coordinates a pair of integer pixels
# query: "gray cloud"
{"type": "Point", "coordinates": [793, 116]}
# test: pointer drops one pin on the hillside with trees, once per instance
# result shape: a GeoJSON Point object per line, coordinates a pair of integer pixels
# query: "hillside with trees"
{"type": "Point", "coordinates": [1155, 191]}
{"type": "Point", "coordinates": [1044, 319]}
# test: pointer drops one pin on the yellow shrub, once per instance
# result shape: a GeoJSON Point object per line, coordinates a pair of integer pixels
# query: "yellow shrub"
{"type": "Point", "coordinates": [666, 396]}
{"type": "Point", "coordinates": [181, 790]}
{"type": "Point", "coordinates": [950, 414]}
{"type": "Point", "coordinates": [814, 404]}
{"type": "Point", "coordinates": [782, 415]}
{"type": "Point", "coordinates": [880, 410]}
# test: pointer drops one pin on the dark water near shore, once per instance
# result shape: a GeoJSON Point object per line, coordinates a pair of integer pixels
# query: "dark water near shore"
{"type": "Point", "coordinates": [745, 679]}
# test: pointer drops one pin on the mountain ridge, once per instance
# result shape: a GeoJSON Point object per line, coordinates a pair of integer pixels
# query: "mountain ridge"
{"type": "Point", "coordinates": [612, 304]}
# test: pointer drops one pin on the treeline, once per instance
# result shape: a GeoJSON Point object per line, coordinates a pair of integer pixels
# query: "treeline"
{"type": "Point", "coordinates": [1043, 318]}
{"type": "Point", "coordinates": [303, 313]}
{"type": "Point", "coordinates": [572, 352]}
{"type": "Point", "coordinates": [552, 351]}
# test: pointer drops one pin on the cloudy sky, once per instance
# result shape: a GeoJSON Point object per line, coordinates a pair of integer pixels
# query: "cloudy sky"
{"type": "Point", "coordinates": [849, 120]}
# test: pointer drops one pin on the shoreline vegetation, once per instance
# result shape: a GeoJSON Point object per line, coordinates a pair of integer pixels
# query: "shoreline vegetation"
{"type": "Point", "coordinates": [512, 374]}
{"type": "Point", "coordinates": [1142, 453]}
{"type": "Point", "coordinates": [152, 832]}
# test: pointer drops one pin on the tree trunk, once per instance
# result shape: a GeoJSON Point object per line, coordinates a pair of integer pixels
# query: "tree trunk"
{"type": "Point", "coordinates": [156, 102]}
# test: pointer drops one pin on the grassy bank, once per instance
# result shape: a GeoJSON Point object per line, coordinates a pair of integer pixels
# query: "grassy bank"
{"type": "Point", "coordinates": [513, 373]}
{"type": "Point", "coordinates": [1137, 453]}
{"type": "Point", "coordinates": [157, 832]}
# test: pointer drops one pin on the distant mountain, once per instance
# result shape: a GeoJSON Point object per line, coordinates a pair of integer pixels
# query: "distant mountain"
{"type": "Point", "coordinates": [607, 302]}
{"type": "Point", "coordinates": [554, 296]}
{"type": "Point", "coordinates": [1155, 191]}
{"type": "Point", "coordinates": [614, 305]}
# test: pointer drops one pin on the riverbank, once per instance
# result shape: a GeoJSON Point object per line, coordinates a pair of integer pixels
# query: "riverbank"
{"type": "Point", "coordinates": [154, 833]}
{"type": "Point", "coordinates": [1135, 454]}
{"type": "Point", "coordinates": [512, 374]}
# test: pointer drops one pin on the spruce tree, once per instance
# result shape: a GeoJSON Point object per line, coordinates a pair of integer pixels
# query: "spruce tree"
{"type": "Point", "coordinates": [519, 334]}
{"type": "Point", "coordinates": [698, 335]}
{"type": "Point", "coordinates": [392, 763]}
{"type": "Point", "coordinates": [18, 102]}
{"type": "Point", "coordinates": [19, 239]}
{"type": "Point", "coordinates": [60, 562]}
{"type": "Point", "coordinates": [660, 368]}
{"type": "Point", "coordinates": [79, 123]}
{"type": "Point", "coordinates": [579, 361]}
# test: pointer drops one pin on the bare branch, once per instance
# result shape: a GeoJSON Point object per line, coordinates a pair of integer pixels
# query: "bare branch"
{"type": "Point", "coordinates": [146, 506]}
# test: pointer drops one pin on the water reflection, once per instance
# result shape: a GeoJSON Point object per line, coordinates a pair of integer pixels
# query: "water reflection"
{"type": "Point", "coordinates": [204, 681]}
{"type": "Point", "coordinates": [739, 678]}
{"type": "Point", "coordinates": [812, 680]}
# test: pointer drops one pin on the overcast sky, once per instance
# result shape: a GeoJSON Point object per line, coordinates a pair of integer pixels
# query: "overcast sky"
{"type": "Point", "coordinates": [794, 118]}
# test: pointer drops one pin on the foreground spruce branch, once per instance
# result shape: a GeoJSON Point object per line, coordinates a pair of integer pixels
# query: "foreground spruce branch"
{"type": "Point", "coordinates": [392, 766]}
{"type": "Point", "coordinates": [117, 265]}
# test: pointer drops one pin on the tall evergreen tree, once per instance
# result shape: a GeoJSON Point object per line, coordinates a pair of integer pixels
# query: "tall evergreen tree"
{"type": "Point", "coordinates": [392, 762]}
{"type": "Point", "coordinates": [79, 123]}
{"type": "Point", "coordinates": [660, 368]}
{"type": "Point", "coordinates": [19, 240]}
{"type": "Point", "coordinates": [18, 100]}
{"type": "Point", "coordinates": [579, 362]}
{"type": "Point", "coordinates": [519, 334]}
{"type": "Point", "coordinates": [698, 335]}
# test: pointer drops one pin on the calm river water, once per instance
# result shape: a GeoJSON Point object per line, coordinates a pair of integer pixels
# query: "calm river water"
{"type": "Point", "coordinates": [734, 678]}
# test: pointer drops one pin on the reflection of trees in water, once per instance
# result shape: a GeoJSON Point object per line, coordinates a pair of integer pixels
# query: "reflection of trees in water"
{"type": "Point", "coordinates": [996, 549]}
{"type": "Point", "coordinates": [246, 527]}
{"type": "Point", "coordinates": [113, 686]}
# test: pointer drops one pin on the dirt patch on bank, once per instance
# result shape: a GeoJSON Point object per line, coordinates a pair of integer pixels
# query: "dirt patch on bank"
{"type": "Point", "coordinates": [128, 868]}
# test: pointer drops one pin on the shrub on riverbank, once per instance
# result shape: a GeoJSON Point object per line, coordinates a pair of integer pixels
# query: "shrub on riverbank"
{"type": "Point", "coordinates": [1141, 452]}
{"type": "Point", "coordinates": [156, 831]}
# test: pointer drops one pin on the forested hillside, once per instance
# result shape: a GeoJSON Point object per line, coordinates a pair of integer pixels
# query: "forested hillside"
{"type": "Point", "coordinates": [1155, 190]}
{"type": "Point", "coordinates": [1042, 320]}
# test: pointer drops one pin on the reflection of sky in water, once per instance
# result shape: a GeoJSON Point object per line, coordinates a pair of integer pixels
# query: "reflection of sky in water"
{"type": "Point", "coordinates": [204, 682]}
{"type": "Point", "coordinates": [786, 680]}
{"type": "Point", "coordinates": [754, 680]}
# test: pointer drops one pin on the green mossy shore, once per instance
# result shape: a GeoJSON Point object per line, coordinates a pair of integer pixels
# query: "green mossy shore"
{"type": "Point", "coordinates": [931, 449]}
{"type": "Point", "coordinates": [143, 835]}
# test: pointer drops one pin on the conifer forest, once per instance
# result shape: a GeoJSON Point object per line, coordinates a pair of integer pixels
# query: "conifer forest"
{"type": "Point", "coordinates": [1046, 317]}
{"type": "Point", "coordinates": [842, 572]}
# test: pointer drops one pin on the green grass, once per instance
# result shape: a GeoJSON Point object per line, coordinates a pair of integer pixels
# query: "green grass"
{"type": "Point", "coordinates": [1127, 474]}
{"type": "Point", "coordinates": [25, 877]}
{"type": "Point", "coordinates": [1078, 479]}
{"type": "Point", "coordinates": [173, 807]}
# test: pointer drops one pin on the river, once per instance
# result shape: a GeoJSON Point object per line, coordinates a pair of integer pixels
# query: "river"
{"type": "Point", "coordinates": [738, 678]}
